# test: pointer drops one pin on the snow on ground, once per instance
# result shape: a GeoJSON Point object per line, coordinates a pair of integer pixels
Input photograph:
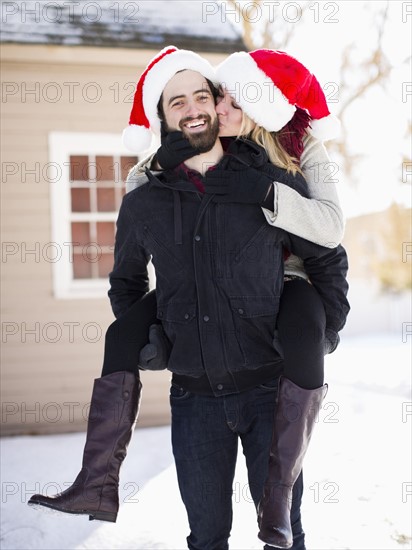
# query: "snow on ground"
{"type": "Point", "coordinates": [358, 479]}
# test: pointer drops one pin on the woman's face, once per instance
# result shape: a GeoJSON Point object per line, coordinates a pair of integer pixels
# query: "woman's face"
{"type": "Point", "coordinates": [229, 114]}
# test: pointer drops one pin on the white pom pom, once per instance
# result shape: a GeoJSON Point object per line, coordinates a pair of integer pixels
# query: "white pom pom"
{"type": "Point", "coordinates": [325, 128]}
{"type": "Point", "coordinates": [137, 138]}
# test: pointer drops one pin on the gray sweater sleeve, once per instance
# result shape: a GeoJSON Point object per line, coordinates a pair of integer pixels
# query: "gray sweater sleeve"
{"type": "Point", "coordinates": [318, 219]}
{"type": "Point", "coordinates": [136, 176]}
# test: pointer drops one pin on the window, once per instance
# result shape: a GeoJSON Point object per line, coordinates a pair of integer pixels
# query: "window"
{"type": "Point", "coordinates": [84, 206]}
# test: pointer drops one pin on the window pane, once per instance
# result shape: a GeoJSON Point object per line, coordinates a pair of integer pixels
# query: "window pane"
{"type": "Point", "coordinates": [105, 169]}
{"type": "Point", "coordinates": [82, 269]}
{"type": "Point", "coordinates": [105, 265]}
{"type": "Point", "coordinates": [105, 233]}
{"type": "Point", "coordinates": [105, 199]}
{"type": "Point", "coordinates": [80, 199]}
{"type": "Point", "coordinates": [81, 233]}
{"type": "Point", "coordinates": [127, 163]}
{"type": "Point", "coordinates": [79, 168]}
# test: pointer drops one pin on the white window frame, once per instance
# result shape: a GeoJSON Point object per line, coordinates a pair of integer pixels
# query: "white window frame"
{"type": "Point", "coordinates": [63, 145]}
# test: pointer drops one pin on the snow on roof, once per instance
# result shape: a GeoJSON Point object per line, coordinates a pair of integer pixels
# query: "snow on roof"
{"type": "Point", "coordinates": [192, 24]}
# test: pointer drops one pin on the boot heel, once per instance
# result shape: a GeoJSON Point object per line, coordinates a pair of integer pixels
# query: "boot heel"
{"type": "Point", "coordinates": [103, 516]}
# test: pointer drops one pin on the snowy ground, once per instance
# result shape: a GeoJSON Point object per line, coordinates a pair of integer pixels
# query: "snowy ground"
{"type": "Point", "coordinates": [358, 479]}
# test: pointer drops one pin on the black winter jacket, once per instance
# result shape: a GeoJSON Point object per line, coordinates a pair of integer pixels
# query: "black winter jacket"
{"type": "Point", "coordinates": [219, 275]}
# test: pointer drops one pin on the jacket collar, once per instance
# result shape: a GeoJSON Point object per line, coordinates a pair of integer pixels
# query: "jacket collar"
{"type": "Point", "coordinates": [171, 179]}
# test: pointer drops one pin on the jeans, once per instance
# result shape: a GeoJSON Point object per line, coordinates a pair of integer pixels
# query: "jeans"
{"type": "Point", "coordinates": [205, 435]}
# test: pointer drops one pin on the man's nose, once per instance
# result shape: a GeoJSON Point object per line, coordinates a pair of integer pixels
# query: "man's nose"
{"type": "Point", "coordinates": [192, 109]}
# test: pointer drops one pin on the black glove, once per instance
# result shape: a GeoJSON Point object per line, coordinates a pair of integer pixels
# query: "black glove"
{"type": "Point", "coordinates": [174, 150]}
{"type": "Point", "coordinates": [248, 185]}
{"type": "Point", "coordinates": [257, 156]}
{"type": "Point", "coordinates": [331, 341]}
{"type": "Point", "coordinates": [155, 354]}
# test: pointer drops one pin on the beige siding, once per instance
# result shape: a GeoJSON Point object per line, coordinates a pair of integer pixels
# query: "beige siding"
{"type": "Point", "coordinates": [46, 384]}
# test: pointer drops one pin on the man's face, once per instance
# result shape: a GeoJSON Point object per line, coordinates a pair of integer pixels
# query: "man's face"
{"type": "Point", "coordinates": [189, 106]}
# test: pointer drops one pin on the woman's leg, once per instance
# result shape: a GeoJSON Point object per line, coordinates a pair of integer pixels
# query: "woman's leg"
{"type": "Point", "coordinates": [301, 327]}
{"type": "Point", "coordinates": [113, 412]}
{"type": "Point", "coordinates": [127, 336]}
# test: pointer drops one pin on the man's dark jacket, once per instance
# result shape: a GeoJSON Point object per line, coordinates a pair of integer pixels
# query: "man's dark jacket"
{"type": "Point", "coordinates": [219, 277]}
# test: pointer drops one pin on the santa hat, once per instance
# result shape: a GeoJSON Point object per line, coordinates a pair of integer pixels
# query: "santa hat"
{"type": "Point", "coordinates": [144, 122]}
{"type": "Point", "coordinates": [269, 84]}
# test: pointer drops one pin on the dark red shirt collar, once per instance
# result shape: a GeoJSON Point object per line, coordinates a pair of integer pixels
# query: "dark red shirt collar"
{"type": "Point", "coordinates": [193, 176]}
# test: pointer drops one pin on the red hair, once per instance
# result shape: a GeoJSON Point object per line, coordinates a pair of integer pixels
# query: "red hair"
{"type": "Point", "coordinates": [291, 135]}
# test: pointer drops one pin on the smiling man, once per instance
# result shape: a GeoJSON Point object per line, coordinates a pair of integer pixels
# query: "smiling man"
{"type": "Point", "coordinates": [192, 112]}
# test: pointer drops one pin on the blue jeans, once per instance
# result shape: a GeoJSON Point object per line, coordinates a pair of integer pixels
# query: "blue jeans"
{"type": "Point", "coordinates": [205, 435]}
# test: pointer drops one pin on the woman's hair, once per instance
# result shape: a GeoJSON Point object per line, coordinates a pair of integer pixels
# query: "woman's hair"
{"type": "Point", "coordinates": [284, 147]}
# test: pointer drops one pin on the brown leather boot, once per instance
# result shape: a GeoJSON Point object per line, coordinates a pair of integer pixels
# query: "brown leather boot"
{"type": "Point", "coordinates": [296, 414]}
{"type": "Point", "coordinates": [113, 413]}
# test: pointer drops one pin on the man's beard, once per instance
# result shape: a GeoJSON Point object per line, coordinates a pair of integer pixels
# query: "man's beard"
{"type": "Point", "coordinates": [202, 141]}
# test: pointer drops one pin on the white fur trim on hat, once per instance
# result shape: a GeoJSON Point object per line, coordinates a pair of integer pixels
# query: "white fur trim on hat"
{"type": "Point", "coordinates": [137, 138]}
{"type": "Point", "coordinates": [160, 74]}
{"type": "Point", "coordinates": [255, 92]}
{"type": "Point", "coordinates": [325, 128]}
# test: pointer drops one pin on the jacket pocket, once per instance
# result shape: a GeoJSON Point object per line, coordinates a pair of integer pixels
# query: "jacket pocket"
{"type": "Point", "coordinates": [180, 325]}
{"type": "Point", "coordinates": [254, 318]}
{"type": "Point", "coordinates": [177, 312]}
{"type": "Point", "coordinates": [255, 306]}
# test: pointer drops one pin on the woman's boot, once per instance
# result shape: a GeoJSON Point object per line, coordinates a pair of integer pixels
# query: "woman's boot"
{"type": "Point", "coordinates": [296, 414]}
{"type": "Point", "coordinates": [113, 413]}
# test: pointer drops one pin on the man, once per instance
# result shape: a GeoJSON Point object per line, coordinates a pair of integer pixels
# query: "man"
{"type": "Point", "coordinates": [218, 282]}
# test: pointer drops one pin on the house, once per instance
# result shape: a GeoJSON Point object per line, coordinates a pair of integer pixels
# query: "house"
{"type": "Point", "coordinates": [379, 246]}
{"type": "Point", "coordinates": [69, 71]}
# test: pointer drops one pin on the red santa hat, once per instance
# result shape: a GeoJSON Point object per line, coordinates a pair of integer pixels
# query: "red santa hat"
{"type": "Point", "coordinates": [144, 122]}
{"type": "Point", "coordinates": [269, 84]}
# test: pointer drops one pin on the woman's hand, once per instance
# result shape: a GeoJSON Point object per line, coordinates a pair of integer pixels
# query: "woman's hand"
{"type": "Point", "coordinates": [174, 150]}
{"type": "Point", "coordinates": [248, 185]}
{"type": "Point", "coordinates": [331, 341]}
{"type": "Point", "coordinates": [155, 354]}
